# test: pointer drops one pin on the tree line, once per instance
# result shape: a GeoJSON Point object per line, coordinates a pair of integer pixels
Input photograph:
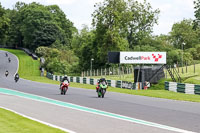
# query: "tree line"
{"type": "Point", "coordinates": [117, 25]}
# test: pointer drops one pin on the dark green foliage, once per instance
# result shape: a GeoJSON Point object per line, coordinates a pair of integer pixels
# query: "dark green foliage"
{"type": "Point", "coordinates": [58, 60]}
{"type": "Point", "coordinates": [183, 32]}
{"type": "Point", "coordinates": [4, 25]}
{"type": "Point", "coordinates": [35, 25]}
{"type": "Point", "coordinates": [160, 85]}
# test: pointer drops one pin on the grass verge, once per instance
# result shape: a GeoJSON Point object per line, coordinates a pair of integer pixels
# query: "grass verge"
{"type": "Point", "coordinates": [29, 69]}
{"type": "Point", "coordinates": [13, 123]}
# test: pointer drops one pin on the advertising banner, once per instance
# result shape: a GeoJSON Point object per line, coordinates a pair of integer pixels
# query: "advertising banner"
{"type": "Point", "coordinates": [143, 57]}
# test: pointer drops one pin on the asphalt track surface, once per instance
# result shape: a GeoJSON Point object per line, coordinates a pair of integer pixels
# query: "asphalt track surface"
{"type": "Point", "coordinates": [178, 114]}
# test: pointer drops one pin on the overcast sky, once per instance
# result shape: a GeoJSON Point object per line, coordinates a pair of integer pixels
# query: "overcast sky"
{"type": "Point", "coordinates": [79, 11]}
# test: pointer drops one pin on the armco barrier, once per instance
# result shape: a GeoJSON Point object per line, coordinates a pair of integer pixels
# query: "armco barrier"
{"type": "Point", "coordinates": [182, 88]}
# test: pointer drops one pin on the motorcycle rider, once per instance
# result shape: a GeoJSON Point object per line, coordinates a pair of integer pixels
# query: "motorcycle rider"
{"type": "Point", "coordinates": [16, 77]}
{"type": "Point", "coordinates": [65, 78]}
{"type": "Point", "coordinates": [6, 73]}
{"type": "Point", "coordinates": [99, 82]}
{"type": "Point", "coordinates": [9, 60]}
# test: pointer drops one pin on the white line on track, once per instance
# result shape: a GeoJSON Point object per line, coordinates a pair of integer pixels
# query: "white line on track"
{"type": "Point", "coordinates": [103, 113]}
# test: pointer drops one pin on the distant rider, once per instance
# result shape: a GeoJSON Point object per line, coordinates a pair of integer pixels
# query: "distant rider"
{"type": "Point", "coordinates": [6, 73]}
{"type": "Point", "coordinates": [9, 60]}
{"type": "Point", "coordinates": [16, 77]}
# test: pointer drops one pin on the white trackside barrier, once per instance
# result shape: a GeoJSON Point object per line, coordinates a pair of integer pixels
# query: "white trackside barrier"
{"type": "Point", "coordinates": [113, 83]}
{"type": "Point", "coordinates": [189, 88]}
{"type": "Point", "coordinates": [173, 86]}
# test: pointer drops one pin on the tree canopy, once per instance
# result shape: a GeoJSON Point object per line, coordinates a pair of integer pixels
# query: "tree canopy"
{"type": "Point", "coordinates": [35, 25]}
{"type": "Point", "coordinates": [117, 25]}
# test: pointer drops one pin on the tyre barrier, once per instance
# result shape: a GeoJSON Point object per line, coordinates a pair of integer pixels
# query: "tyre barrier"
{"type": "Point", "coordinates": [182, 88]}
{"type": "Point", "coordinates": [92, 81]}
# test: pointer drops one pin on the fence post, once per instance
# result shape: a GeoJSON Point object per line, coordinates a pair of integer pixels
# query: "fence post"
{"type": "Point", "coordinates": [178, 67]}
{"type": "Point", "coordinates": [122, 71]}
{"type": "Point", "coordinates": [186, 66]}
{"type": "Point", "coordinates": [119, 71]}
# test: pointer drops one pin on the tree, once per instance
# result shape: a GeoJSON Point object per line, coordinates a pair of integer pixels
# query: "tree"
{"type": "Point", "coordinates": [109, 22]}
{"type": "Point", "coordinates": [183, 32]}
{"type": "Point", "coordinates": [84, 47]}
{"type": "Point", "coordinates": [4, 24]}
{"type": "Point", "coordinates": [35, 25]}
{"type": "Point", "coordinates": [58, 60]}
{"type": "Point", "coordinates": [120, 25]}
{"type": "Point", "coordinates": [140, 21]}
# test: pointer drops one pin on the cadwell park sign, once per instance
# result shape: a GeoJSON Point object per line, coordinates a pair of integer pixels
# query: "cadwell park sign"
{"type": "Point", "coordinates": [143, 57]}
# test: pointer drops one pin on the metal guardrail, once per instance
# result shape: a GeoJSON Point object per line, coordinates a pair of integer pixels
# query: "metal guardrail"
{"type": "Point", "coordinates": [27, 51]}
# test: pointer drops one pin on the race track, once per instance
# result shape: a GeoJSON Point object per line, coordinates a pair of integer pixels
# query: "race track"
{"type": "Point", "coordinates": [178, 114]}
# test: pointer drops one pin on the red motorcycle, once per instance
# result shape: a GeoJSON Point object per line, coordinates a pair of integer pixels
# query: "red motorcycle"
{"type": "Point", "coordinates": [64, 87]}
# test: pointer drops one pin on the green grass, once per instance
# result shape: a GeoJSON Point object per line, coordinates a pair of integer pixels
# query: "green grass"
{"type": "Point", "coordinates": [30, 70]}
{"type": "Point", "coordinates": [13, 123]}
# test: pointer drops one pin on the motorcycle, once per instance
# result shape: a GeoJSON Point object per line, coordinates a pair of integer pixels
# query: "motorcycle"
{"type": "Point", "coordinates": [9, 60]}
{"type": "Point", "coordinates": [6, 73]}
{"type": "Point", "coordinates": [16, 78]}
{"type": "Point", "coordinates": [64, 87]}
{"type": "Point", "coordinates": [102, 89]}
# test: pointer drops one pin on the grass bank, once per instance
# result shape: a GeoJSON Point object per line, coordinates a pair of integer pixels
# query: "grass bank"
{"type": "Point", "coordinates": [29, 69]}
{"type": "Point", "coordinates": [13, 123]}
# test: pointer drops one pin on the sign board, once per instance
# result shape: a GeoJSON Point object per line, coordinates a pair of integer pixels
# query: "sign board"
{"type": "Point", "coordinates": [143, 57]}
{"type": "Point", "coordinates": [113, 57]}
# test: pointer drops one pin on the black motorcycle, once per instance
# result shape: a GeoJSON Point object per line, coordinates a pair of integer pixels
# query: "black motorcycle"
{"type": "Point", "coordinates": [16, 78]}
{"type": "Point", "coordinates": [6, 73]}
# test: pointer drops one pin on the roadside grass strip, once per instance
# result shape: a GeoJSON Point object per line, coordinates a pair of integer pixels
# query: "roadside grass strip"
{"type": "Point", "coordinates": [13, 122]}
{"type": "Point", "coordinates": [89, 110]}
{"type": "Point", "coordinates": [45, 123]}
